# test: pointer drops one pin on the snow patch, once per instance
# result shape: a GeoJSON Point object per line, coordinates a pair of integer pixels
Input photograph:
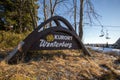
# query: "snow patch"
{"type": "Point", "coordinates": [105, 50]}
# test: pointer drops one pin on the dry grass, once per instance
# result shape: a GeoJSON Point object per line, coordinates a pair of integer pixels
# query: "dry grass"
{"type": "Point", "coordinates": [63, 65]}
{"type": "Point", "coordinates": [57, 65]}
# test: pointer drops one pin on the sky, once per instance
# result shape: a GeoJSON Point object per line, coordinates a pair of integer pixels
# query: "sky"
{"type": "Point", "coordinates": [109, 10]}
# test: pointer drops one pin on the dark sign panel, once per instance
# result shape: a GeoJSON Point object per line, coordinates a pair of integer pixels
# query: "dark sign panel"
{"type": "Point", "coordinates": [56, 41]}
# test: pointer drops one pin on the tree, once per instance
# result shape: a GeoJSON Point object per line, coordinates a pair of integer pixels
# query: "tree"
{"type": "Point", "coordinates": [49, 8]}
{"type": "Point", "coordinates": [21, 14]}
{"type": "Point", "coordinates": [33, 12]}
{"type": "Point", "coordinates": [7, 14]}
{"type": "Point", "coordinates": [81, 20]}
{"type": "Point", "coordinates": [45, 12]}
{"type": "Point", "coordinates": [79, 10]}
{"type": "Point", "coordinates": [27, 12]}
{"type": "Point", "coordinates": [75, 13]}
{"type": "Point", "coordinates": [2, 10]}
{"type": "Point", "coordinates": [86, 8]}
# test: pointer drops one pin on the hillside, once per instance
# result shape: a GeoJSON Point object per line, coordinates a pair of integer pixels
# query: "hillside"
{"type": "Point", "coordinates": [57, 65]}
{"type": "Point", "coordinates": [63, 65]}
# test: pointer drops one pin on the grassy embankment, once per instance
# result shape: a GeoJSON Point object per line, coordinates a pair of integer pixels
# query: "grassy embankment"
{"type": "Point", "coordinates": [58, 65]}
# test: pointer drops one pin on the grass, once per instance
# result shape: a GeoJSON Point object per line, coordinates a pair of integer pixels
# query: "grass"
{"type": "Point", "coordinates": [59, 65]}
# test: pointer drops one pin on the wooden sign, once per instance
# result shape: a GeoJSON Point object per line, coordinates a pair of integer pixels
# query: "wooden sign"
{"type": "Point", "coordinates": [56, 40]}
{"type": "Point", "coordinates": [52, 38]}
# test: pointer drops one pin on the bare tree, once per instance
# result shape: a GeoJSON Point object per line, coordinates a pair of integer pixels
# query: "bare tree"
{"type": "Point", "coordinates": [49, 8]}
{"type": "Point", "coordinates": [81, 20]}
{"type": "Point", "coordinates": [90, 13]}
{"type": "Point", "coordinates": [75, 13]}
{"type": "Point", "coordinates": [45, 12]}
{"type": "Point", "coordinates": [85, 8]}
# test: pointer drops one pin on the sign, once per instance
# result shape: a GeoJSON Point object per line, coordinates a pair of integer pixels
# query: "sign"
{"type": "Point", "coordinates": [52, 38]}
{"type": "Point", "coordinates": [56, 41]}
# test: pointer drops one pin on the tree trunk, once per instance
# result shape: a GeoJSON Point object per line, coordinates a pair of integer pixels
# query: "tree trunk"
{"type": "Point", "coordinates": [20, 17]}
{"type": "Point", "coordinates": [81, 20]}
{"type": "Point", "coordinates": [75, 7]}
{"type": "Point", "coordinates": [45, 13]}
{"type": "Point", "coordinates": [52, 9]}
{"type": "Point", "coordinates": [32, 13]}
{"type": "Point", "coordinates": [51, 12]}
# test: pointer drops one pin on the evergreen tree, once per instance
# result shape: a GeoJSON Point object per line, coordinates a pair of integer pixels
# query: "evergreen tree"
{"type": "Point", "coordinates": [17, 13]}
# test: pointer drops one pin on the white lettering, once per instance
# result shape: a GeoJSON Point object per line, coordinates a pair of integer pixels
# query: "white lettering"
{"type": "Point", "coordinates": [62, 37]}
{"type": "Point", "coordinates": [44, 43]}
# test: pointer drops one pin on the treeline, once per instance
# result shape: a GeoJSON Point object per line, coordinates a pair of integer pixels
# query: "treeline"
{"type": "Point", "coordinates": [18, 15]}
{"type": "Point", "coordinates": [22, 15]}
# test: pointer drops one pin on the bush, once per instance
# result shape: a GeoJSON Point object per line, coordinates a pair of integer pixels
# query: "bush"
{"type": "Point", "coordinates": [11, 39]}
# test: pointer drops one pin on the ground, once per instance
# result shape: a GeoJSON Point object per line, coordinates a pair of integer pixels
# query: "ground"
{"type": "Point", "coordinates": [57, 65]}
{"type": "Point", "coordinates": [63, 65]}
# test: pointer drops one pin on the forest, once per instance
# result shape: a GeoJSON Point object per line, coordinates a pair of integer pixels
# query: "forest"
{"type": "Point", "coordinates": [19, 15]}
{"type": "Point", "coordinates": [22, 15]}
